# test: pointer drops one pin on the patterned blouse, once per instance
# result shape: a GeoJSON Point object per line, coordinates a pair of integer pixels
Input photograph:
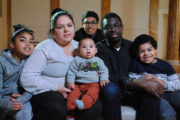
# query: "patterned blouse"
{"type": "Point", "coordinates": [46, 68]}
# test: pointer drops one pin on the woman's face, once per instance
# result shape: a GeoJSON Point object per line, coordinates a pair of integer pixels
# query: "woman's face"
{"type": "Point", "coordinates": [64, 30]}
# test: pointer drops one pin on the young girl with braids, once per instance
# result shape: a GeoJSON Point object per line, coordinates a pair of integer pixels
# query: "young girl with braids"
{"type": "Point", "coordinates": [14, 101]}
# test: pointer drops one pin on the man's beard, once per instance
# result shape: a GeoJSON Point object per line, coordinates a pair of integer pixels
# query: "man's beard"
{"type": "Point", "coordinates": [114, 41]}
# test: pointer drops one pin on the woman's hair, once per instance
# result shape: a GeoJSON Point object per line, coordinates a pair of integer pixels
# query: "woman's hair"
{"type": "Point", "coordinates": [56, 10]}
{"type": "Point", "coordinates": [110, 15]}
{"type": "Point", "coordinates": [56, 13]}
{"type": "Point", "coordinates": [18, 29]}
{"type": "Point", "coordinates": [142, 39]}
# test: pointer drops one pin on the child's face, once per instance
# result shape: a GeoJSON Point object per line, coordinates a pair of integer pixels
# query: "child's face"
{"type": "Point", "coordinates": [147, 53]}
{"type": "Point", "coordinates": [87, 48]}
{"type": "Point", "coordinates": [23, 45]}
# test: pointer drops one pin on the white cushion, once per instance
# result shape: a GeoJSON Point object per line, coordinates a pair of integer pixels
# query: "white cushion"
{"type": "Point", "coordinates": [128, 113]}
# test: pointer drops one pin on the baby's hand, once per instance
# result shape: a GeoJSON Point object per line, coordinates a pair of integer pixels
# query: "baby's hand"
{"type": "Point", "coordinates": [71, 86]}
{"type": "Point", "coordinates": [104, 82]}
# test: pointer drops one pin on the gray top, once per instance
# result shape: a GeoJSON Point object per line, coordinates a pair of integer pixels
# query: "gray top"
{"type": "Point", "coordinates": [10, 71]}
{"type": "Point", "coordinates": [87, 70]}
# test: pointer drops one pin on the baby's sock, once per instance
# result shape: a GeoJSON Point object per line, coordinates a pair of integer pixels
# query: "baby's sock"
{"type": "Point", "coordinates": [80, 104]}
{"type": "Point", "coordinates": [70, 118]}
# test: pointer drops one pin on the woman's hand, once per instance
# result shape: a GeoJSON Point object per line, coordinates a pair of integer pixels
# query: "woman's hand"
{"type": "Point", "coordinates": [104, 82]}
{"type": "Point", "coordinates": [64, 91]}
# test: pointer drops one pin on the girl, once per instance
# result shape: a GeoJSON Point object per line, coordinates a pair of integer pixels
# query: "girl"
{"type": "Point", "coordinates": [14, 102]}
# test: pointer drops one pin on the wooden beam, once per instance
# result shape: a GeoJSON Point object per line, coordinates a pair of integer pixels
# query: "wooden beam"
{"type": "Point", "coordinates": [54, 4]}
{"type": "Point", "coordinates": [105, 7]}
{"type": "Point", "coordinates": [153, 18]}
{"type": "Point", "coordinates": [173, 31]}
{"type": "Point", "coordinates": [9, 23]}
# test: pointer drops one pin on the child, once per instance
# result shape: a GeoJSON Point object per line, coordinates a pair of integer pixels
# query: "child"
{"type": "Point", "coordinates": [14, 102]}
{"type": "Point", "coordinates": [84, 75]}
{"type": "Point", "coordinates": [147, 66]}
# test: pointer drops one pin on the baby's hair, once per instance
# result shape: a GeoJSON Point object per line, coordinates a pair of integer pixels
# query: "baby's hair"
{"type": "Point", "coordinates": [142, 39]}
{"type": "Point", "coordinates": [18, 29]}
{"type": "Point", "coordinates": [84, 39]}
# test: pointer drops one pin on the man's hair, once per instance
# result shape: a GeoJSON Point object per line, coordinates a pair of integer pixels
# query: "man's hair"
{"type": "Point", "coordinates": [90, 14]}
{"type": "Point", "coordinates": [110, 15]}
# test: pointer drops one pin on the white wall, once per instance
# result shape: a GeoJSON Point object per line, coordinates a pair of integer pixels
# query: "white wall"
{"type": "Point", "coordinates": [78, 7]}
{"type": "Point", "coordinates": [34, 14]}
{"type": "Point", "coordinates": [134, 14]}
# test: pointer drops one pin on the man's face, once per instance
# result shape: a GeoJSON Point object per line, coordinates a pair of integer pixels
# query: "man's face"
{"type": "Point", "coordinates": [90, 25]}
{"type": "Point", "coordinates": [113, 30]}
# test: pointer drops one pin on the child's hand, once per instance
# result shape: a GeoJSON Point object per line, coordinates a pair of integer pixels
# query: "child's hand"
{"type": "Point", "coordinates": [148, 77]}
{"type": "Point", "coordinates": [64, 91]}
{"type": "Point", "coordinates": [71, 86]}
{"type": "Point", "coordinates": [104, 82]}
{"type": "Point", "coordinates": [16, 106]}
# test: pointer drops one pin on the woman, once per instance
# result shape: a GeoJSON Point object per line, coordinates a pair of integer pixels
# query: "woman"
{"type": "Point", "coordinates": [45, 71]}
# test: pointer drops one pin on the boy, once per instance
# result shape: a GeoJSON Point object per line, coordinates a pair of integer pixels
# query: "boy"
{"type": "Point", "coordinates": [147, 66]}
{"type": "Point", "coordinates": [84, 75]}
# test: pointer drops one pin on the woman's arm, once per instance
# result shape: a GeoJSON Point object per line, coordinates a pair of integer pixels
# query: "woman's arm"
{"type": "Point", "coordinates": [32, 79]}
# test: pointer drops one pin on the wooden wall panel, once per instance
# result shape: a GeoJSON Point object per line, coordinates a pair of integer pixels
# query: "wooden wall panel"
{"type": "Point", "coordinates": [54, 4]}
{"type": "Point", "coordinates": [153, 18]}
{"type": "Point", "coordinates": [105, 7]}
{"type": "Point", "coordinates": [9, 20]}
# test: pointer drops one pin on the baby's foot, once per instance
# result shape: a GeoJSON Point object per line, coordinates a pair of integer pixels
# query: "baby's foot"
{"type": "Point", "coordinates": [80, 104]}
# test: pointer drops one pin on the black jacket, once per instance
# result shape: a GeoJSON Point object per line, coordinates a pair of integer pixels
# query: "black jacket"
{"type": "Point", "coordinates": [118, 62]}
{"type": "Point", "coordinates": [80, 34]}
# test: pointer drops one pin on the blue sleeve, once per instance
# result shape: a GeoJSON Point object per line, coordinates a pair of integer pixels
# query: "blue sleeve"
{"type": "Point", "coordinates": [172, 83]}
{"type": "Point", "coordinates": [133, 70]}
{"type": "Point", "coordinates": [4, 102]}
{"type": "Point", "coordinates": [25, 97]}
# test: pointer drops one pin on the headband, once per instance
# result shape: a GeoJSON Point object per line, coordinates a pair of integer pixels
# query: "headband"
{"type": "Point", "coordinates": [54, 17]}
{"type": "Point", "coordinates": [16, 32]}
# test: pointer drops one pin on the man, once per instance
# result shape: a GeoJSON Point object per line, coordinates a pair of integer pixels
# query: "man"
{"type": "Point", "coordinates": [90, 29]}
{"type": "Point", "coordinates": [115, 51]}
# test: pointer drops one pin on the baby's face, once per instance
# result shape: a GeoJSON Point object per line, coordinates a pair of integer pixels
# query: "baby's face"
{"type": "Point", "coordinates": [87, 48]}
{"type": "Point", "coordinates": [147, 53]}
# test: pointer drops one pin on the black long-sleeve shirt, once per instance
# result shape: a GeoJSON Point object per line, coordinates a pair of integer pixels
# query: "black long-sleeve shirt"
{"type": "Point", "coordinates": [118, 62]}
